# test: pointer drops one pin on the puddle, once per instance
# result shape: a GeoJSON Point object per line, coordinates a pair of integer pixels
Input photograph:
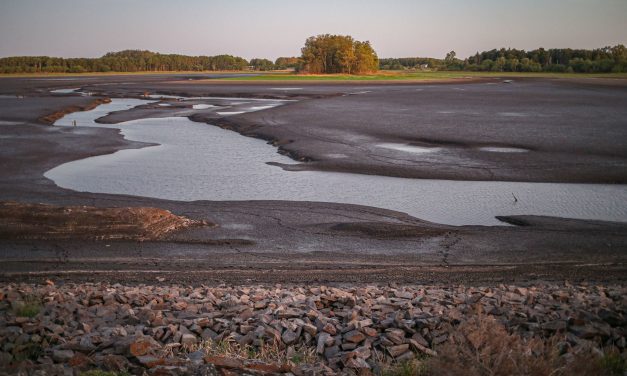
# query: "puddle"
{"type": "Point", "coordinates": [164, 104]}
{"type": "Point", "coordinates": [234, 167]}
{"type": "Point", "coordinates": [230, 99]}
{"type": "Point", "coordinates": [409, 148]}
{"type": "Point", "coordinates": [202, 106]}
{"type": "Point", "coordinates": [64, 91]}
{"type": "Point", "coordinates": [498, 149]}
{"type": "Point", "coordinates": [229, 113]}
{"type": "Point", "coordinates": [336, 156]}
{"type": "Point", "coordinates": [512, 114]}
{"type": "Point", "coordinates": [86, 118]}
{"type": "Point", "coordinates": [259, 108]}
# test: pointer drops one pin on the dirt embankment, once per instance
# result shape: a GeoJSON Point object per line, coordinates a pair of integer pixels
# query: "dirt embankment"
{"type": "Point", "coordinates": [40, 221]}
{"type": "Point", "coordinates": [51, 118]}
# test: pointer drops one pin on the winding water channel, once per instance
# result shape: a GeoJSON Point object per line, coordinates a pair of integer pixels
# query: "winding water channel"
{"type": "Point", "coordinates": [196, 161]}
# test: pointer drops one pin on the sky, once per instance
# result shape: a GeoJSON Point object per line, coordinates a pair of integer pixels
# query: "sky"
{"type": "Point", "coordinates": [272, 28]}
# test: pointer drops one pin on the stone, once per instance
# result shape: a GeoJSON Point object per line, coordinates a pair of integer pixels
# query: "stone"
{"type": "Point", "coordinates": [62, 356]}
{"type": "Point", "coordinates": [420, 348]}
{"type": "Point", "coordinates": [321, 343]}
{"type": "Point", "coordinates": [397, 350]}
{"type": "Point", "coordinates": [329, 328]}
{"type": "Point", "coordinates": [354, 336]}
{"type": "Point", "coordinates": [150, 361]}
{"type": "Point", "coordinates": [370, 332]}
{"type": "Point", "coordinates": [357, 363]}
{"type": "Point", "coordinates": [224, 362]}
{"type": "Point", "coordinates": [208, 334]}
{"type": "Point", "coordinates": [397, 336]}
{"type": "Point", "coordinates": [188, 339]}
{"type": "Point", "coordinates": [143, 345]}
{"type": "Point", "coordinates": [289, 337]}
{"type": "Point", "coordinates": [331, 352]}
{"type": "Point", "coordinates": [311, 329]}
{"type": "Point", "coordinates": [420, 339]}
{"type": "Point", "coordinates": [115, 363]}
{"type": "Point", "coordinates": [554, 326]}
{"type": "Point", "coordinates": [403, 294]}
{"type": "Point", "coordinates": [80, 361]}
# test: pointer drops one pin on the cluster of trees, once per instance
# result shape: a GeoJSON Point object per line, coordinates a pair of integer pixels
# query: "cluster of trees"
{"type": "Point", "coordinates": [600, 60]}
{"type": "Point", "coordinates": [288, 63]}
{"type": "Point", "coordinates": [338, 54]}
{"type": "Point", "coordinates": [123, 61]}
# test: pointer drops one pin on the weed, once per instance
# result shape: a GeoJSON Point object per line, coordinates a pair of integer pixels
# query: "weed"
{"type": "Point", "coordinates": [268, 352]}
{"type": "Point", "coordinates": [28, 351]}
{"type": "Point", "coordinates": [482, 346]}
{"type": "Point", "coordinates": [30, 306]}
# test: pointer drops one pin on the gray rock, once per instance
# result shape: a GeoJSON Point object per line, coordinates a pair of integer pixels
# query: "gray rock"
{"type": "Point", "coordinates": [62, 356]}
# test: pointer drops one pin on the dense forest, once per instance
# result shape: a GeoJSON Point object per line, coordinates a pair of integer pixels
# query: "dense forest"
{"type": "Point", "coordinates": [338, 54]}
{"type": "Point", "coordinates": [600, 60]}
{"type": "Point", "coordinates": [123, 61]}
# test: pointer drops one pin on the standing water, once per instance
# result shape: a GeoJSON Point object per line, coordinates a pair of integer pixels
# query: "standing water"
{"type": "Point", "coordinates": [196, 161]}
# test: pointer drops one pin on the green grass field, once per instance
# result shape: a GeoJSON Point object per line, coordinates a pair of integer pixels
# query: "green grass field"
{"type": "Point", "coordinates": [380, 76]}
{"type": "Point", "coordinates": [411, 76]}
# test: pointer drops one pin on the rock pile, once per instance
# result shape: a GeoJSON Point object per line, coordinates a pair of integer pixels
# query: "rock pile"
{"type": "Point", "coordinates": [349, 330]}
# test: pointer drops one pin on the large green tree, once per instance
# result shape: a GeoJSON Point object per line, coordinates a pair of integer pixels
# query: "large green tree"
{"type": "Point", "coordinates": [338, 54]}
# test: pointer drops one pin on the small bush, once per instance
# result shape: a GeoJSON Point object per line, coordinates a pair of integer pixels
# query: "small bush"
{"type": "Point", "coordinates": [28, 351]}
{"type": "Point", "coordinates": [29, 307]}
{"type": "Point", "coordinates": [612, 364]}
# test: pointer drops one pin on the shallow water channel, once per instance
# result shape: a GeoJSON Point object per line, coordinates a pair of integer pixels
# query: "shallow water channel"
{"type": "Point", "coordinates": [196, 161]}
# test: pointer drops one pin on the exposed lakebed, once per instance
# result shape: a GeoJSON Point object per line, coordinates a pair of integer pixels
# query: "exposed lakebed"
{"type": "Point", "coordinates": [196, 161]}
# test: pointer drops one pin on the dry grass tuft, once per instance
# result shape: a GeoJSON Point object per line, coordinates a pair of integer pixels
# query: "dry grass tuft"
{"type": "Point", "coordinates": [483, 347]}
{"type": "Point", "coordinates": [266, 352]}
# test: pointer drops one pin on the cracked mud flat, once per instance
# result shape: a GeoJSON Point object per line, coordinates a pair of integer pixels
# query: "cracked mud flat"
{"type": "Point", "coordinates": [273, 240]}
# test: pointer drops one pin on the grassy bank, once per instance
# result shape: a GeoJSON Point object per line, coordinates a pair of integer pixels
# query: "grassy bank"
{"type": "Point", "coordinates": [413, 76]}
{"type": "Point", "coordinates": [289, 76]}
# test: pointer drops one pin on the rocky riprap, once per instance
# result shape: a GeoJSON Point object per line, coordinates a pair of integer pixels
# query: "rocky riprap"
{"type": "Point", "coordinates": [159, 330]}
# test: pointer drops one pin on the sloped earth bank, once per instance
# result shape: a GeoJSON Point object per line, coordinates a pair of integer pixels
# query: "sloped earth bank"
{"type": "Point", "coordinates": [274, 241]}
{"type": "Point", "coordinates": [311, 329]}
{"type": "Point", "coordinates": [49, 222]}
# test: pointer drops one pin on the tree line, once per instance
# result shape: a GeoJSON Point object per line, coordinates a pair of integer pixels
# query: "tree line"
{"type": "Point", "coordinates": [321, 54]}
{"type": "Point", "coordinates": [599, 60]}
{"type": "Point", "coordinates": [333, 54]}
{"type": "Point", "coordinates": [140, 61]}
{"type": "Point", "coordinates": [123, 61]}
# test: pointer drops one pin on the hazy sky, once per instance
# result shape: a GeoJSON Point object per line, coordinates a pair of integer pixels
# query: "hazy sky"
{"type": "Point", "coordinates": [270, 28]}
